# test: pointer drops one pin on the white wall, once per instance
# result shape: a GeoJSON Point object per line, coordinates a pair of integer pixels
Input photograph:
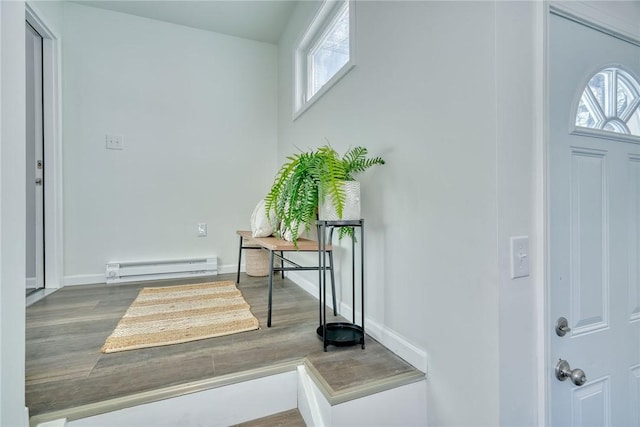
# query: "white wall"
{"type": "Point", "coordinates": [518, 100]}
{"type": "Point", "coordinates": [12, 213]}
{"type": "Point", "coordinates": [443, 91]}
{"type": "Point", "coordinates": [52, 12]}
{"type": "Point", "coordinates": [198, 114]}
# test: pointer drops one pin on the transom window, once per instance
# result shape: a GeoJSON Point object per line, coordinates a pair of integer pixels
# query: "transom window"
{"type": "Point", "coordinates": [324, 54]}
{"type": "Point", "coordinates": [610, 103]}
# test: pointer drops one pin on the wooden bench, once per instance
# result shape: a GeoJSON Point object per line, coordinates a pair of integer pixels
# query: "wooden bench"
{"type": "Point", "coordinates": [276, 248]}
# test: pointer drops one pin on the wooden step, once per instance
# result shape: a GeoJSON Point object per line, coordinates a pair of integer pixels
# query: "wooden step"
{"type": "Point", "coordinates": [291, 418]}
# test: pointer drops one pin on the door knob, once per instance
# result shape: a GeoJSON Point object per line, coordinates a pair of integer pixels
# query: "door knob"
{"type": "Point", "coordinates": [38, 181]}
{"type": "Point", "coordinates": [564, 371]}
{"type": "Point", "coordinates": [562, 327]}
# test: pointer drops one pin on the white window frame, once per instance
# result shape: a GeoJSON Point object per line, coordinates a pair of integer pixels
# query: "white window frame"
{"type": "Point", "coordinates": [320, 24]}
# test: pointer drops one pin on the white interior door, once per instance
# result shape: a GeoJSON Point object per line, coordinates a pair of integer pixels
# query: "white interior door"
{"type": "Point", "coordinates": [594, 225]}
{"type": "Point", "coordinates": [35, 165]}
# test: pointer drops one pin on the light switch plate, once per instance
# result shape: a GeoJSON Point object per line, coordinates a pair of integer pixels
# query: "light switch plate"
{"type": "Point", "coordinates": [519, 256]}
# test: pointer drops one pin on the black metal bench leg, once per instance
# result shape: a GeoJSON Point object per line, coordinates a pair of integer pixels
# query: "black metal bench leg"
{"type": "Point", "coordinates": [239, 260]}
{"type": "Point", "coordinates": [270, 288]}
{"type": "Point", "coordinates": [282, 258]}
{"type": "Point", "coordinates": [333, 284]}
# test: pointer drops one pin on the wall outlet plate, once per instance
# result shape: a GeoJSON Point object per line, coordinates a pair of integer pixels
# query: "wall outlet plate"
{"type": "Point", "coordinates": [519, 257]}
{"type": "Point", "coordinates": [114, 142]}
{"type": "Point", "coordinates": [202, 229]}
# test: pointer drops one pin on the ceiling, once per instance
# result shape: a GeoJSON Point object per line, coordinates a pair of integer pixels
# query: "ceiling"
{"type": "Point", "coordinates": [261, 20]}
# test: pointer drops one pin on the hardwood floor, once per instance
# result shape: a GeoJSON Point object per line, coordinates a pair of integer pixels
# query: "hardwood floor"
{"type": "Point", "coordinates": [291, 418]}
{"type": "Point", "coordinates": [65, 368]}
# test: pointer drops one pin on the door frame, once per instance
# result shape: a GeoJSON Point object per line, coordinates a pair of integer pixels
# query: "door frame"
{"type": "Point", "coordinates": [52, 131]}
{"type": "Point", "coordinates": [599, 20]}
{"type": "Point", "coordinates": [34, 153]}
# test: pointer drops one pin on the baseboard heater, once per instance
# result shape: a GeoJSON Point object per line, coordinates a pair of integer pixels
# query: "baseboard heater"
{"type": "Point", "coordinates": [118, 272]}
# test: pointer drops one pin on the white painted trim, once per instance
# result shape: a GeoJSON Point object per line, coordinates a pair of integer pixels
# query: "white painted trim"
{"type": "Point", "coordinates": [540, 215]}
{"type": "Point", "coordinates": [30, 283]}
{"type": "Point", "coordinates": [596, 16]}
{"type": "Point", "coordinates": [84, 279]}
{"type": "Point", "coordinates": [603, 134]}
{"type": "Point", "coordinates": [309, 398]}
{"type": "Point", "coordinates": [395, 342]}
{"type": "Point", "coordinates": [307, 285]}
{"type": "Point", "coordinates": [317, 26]}
{"type": "Point", "coordinates": [52, 100]}
{"type": "Point", "coordinates": [304, 283]}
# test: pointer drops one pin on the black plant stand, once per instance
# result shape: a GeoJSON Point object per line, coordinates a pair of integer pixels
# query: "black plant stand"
{"type": "Point", "coordinates": [340, 333]}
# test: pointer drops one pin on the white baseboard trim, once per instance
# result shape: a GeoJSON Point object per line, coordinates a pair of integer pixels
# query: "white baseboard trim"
{"type": "Point", "coordinates": [384, 335]}
{"type": "Point", "coordinates": [230, 268]}
{"type": "Point", "coordinates": [30, 283]}
{"type": "Point", "coordinates": [304, 283]}
{"type": "Point", "coordinates": [391, 339]}
{"type": "Point", "coordinates": [84, 279]}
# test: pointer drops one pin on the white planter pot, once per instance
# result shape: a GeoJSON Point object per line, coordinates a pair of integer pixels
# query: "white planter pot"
{"type": "Point", "coordinates": [351, 210]}
{"type": "Point", "coordinates": [288, 234]}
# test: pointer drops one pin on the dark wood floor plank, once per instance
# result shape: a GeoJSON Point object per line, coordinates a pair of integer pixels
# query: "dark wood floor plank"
{"type": "Point", "coordinates": [65, 331]}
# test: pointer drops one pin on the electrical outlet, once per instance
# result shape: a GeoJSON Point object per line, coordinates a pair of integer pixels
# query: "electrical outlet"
{"type": "Point", "coordinates": [202, 229]}
{"type": "Point", "coordinates": [114, 142]}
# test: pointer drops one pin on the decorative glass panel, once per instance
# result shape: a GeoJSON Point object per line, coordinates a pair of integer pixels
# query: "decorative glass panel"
{"type": "Point", "coordinates": [610, 102]}
{"type": "Point", "coordinates": [597, 85]}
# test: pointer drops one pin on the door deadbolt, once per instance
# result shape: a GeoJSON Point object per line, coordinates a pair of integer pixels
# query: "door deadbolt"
{"type": "Point", "coordinates": [564, 371]}
{"type": "Point", "coordinates": [562, 327]}
{"type": "Point", "coordinates": [39, 164]}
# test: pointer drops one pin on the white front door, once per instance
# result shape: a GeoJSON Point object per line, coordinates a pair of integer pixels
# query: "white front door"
{"type": "Point", "coordinates": [594, 225]}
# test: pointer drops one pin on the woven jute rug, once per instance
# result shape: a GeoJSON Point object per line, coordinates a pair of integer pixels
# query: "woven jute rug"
{"type": "Point", "coordinates": [177, 314]}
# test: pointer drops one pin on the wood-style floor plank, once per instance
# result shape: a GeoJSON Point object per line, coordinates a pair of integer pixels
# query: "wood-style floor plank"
{"type": "Point", "coordinates": [65, 331]}
{"type": "Point", "coordinates": [291, 418]}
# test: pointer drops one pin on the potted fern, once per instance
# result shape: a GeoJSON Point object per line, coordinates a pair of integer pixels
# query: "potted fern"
{"type": "Point", "coordinates": [313, 178]}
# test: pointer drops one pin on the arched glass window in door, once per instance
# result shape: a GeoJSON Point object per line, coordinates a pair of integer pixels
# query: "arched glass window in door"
{"type": "Point", "coordinates": [610, 103]}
